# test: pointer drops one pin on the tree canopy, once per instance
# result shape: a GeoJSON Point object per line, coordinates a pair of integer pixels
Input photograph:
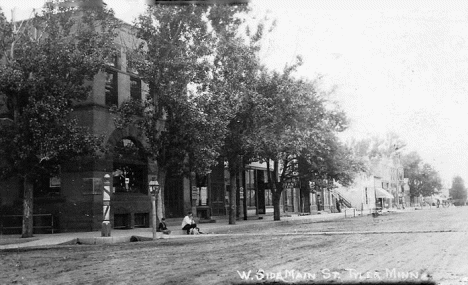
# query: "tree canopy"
{"type": "Point", "coordinates": [46, 62]}
{"type": "Point", "coordinates": [200, 70]}
{"type": "Point", "coordinates": [458, 191]}
{"type": "Point", "coordinates": [178, 60]}
{"type": "Point", "coordinates": [423, 179]}
{"type": "Point", "coordinates": [298, 125]}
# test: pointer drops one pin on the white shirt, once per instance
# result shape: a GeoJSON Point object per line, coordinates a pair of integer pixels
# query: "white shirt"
{"type": "Point", "coordinates": [187, 221]}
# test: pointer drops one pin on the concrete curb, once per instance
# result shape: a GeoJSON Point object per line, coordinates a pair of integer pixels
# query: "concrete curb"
{"type": "Point", "coordinates": [102, 240]}
{"type": "Point", "coordinates": [210, 229]}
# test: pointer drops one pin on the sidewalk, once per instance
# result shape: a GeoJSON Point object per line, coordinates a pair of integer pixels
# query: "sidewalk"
{"type": "Point", "coordinates": [220, 227]}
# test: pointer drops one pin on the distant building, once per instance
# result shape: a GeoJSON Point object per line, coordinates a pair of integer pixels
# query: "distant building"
{"type": "Point", "coordinates": [382, 186]}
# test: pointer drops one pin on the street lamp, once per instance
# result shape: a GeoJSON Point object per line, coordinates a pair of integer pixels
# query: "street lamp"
{"type": "Point", "coordinates": [154, 191]}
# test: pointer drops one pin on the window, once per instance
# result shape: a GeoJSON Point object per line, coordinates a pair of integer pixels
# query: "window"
{"type": "Point", "coordinates": [92, 186]}
{"type": "Point", "coordinates": [122, 221]}
{"type": "Point", "coordinates": [112, 60]}
{"type": "Point", "coordinates": [203, 196]}
{"type": "Point", "coordinates": [268, 198]}
{"type": "Point", "coordinates": [131, 60]}
{"type": "Point", "coordinates": [135, 88]}
{"type": "Point", "coordinates": [129, 168]}
{"type": "Point", "coordinates": [112, 97]}
{"type": "Point", "coordinates": [262, 179]}
{"type": "Point", "coordinates": [265, 176]}
{"type": "Point", "coordinates": [47, 186]}
{"type": "Point", "coordinates": [141, 220]}
{"type": "Point", "coordinates": [4, 111]}
{"type": "Point", "coordinates": [288, 199]}
{"type": "Point", "coordinates": [250, 185]}
{"type": "Point", "coordinates": [129, 178]}
{"type": "Point", "coordinates": [251, 198]}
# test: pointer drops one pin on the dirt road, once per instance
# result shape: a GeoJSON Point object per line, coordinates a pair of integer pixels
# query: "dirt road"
{"type": "Point", "coordinates": [412, 246]}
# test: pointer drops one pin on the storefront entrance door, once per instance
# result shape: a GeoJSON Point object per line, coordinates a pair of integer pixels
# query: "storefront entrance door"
{"type": "Point", "coordinates": [217, 199]}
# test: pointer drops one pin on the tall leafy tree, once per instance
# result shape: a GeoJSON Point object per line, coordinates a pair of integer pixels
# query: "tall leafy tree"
{"type": "Point", "coordinates": [180, 60]}
{"type": "Point", "coordinates": [412, 164]}
{"type": "Point", "coordinates": [295, 122]}
{"type": "Point", "coordinates": [431, 182]}
{"type": "Point", "coordinates": [235, 78]}
{"type": "Point", "coordinates": [336, 163]}
{"type": "Point", "coordinates": [423, 179]}
{"type": "Point", "coordinates": [376, 147]}
{"type": "Point", "coordinates": [46, 62]}
{"type": "Point", "coordinates": [458, 191]}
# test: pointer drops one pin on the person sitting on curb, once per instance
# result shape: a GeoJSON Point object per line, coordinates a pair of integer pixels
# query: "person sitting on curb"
{"type": "Point", "coordinates": [163, 227]}
{"type": "Point", "coordinates": [189, 225]}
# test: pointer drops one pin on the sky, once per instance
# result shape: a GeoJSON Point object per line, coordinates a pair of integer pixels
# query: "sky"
{"type": "Point", "coordinates": [392, 65]}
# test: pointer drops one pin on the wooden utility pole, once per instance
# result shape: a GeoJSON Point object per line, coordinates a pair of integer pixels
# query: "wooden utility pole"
{"type": "Point", "coordinates": [232, 194]}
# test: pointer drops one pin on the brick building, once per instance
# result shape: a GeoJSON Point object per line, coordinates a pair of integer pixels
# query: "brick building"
{"type": "Point", "coordinates": [74, 197]}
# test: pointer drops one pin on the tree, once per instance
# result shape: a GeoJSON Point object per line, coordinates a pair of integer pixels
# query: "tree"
{"type": "Point", "coordinates": [423, 179]}
{"type": "Point", "coordinates": [337, 163]}
{"type": "Point", "coordinates": [412, 164]}
{"type": "Point", "coordinates": [376, 147]}
{"type": "Point", "coordinates": [181, 61]}
{"type": "Point", "coordinates": [430, 183]}
{"type": "Point", "coordinates": [295, 122]}
{"type": "Point", "coordinates": [458, 191]}
{"type": "Point", "coordinates": [46, 62]}
{"type": "Point", "coordinates": [235, 78]}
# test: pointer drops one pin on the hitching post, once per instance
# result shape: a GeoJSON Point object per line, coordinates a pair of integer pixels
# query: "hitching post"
{"type": "Point", "coordinates": [154, 190]}
{"type": "Point", "coordinates": [106, 227]}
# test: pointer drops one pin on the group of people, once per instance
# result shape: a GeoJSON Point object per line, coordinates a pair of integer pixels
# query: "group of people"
{"type": "Point", "coordinates": [188, 225]}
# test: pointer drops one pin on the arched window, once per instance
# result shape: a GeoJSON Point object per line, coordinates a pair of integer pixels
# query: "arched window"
{"type": "Point", "coordinates": [129, 168]}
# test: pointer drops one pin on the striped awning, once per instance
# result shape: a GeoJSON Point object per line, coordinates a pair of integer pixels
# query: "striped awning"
{"type": "Point", "coordinates": [382, 193]}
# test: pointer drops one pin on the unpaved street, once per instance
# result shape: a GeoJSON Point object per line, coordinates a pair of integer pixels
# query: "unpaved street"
{"type": "Point", "coordinates": [428, 244]}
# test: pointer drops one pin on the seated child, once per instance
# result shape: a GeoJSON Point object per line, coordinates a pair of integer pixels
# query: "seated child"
{"type": "Point", "coordinates": [163, 227]}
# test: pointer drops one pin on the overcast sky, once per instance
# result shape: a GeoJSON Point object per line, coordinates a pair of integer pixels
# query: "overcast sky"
{"type": "Point", "coordinates": [399, 66]}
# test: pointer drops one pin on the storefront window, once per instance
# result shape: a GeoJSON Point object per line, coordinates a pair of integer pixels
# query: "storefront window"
{"type": "Point", "coordinates": [250, 185]}
{"type": "Point", "coordinates": [251, 201]}
{"type": "Point", "coordinates": [129, 168]}
{"type": "Point", "coordinates": [203, 196]}
{"type": "Point", "coordinates": [47, 186]}
{"type": "Point", "coordinates": [268, 198]}
{"type": "Point", "coordinates": [129, 178]}
{"type": "Point", "coordinates": [288, 199]}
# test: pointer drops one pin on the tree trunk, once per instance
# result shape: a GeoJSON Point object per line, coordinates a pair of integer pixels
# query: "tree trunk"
{"type": "Point", "coordinates": [27, 209]}
{"type": "Point", "coordinates": [276, 186]}
{"type": "Point", "coordinates": [232, 197]}
{"type": "Point", "coordinates": [238, 197]}
{"type": "Point", "coordinates": [276, 205]}
{"type": "Point", "coordinates": [242, 185]}
{"type": "Point", "coordinates": [275, 190]}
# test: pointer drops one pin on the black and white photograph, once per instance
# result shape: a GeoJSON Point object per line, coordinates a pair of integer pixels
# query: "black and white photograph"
{"type": "Point", "coordinates": [233, 142]}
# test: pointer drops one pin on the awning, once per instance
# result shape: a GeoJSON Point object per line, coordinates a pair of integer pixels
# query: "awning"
{"type": "Point", "coordinates": [382, 193]}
